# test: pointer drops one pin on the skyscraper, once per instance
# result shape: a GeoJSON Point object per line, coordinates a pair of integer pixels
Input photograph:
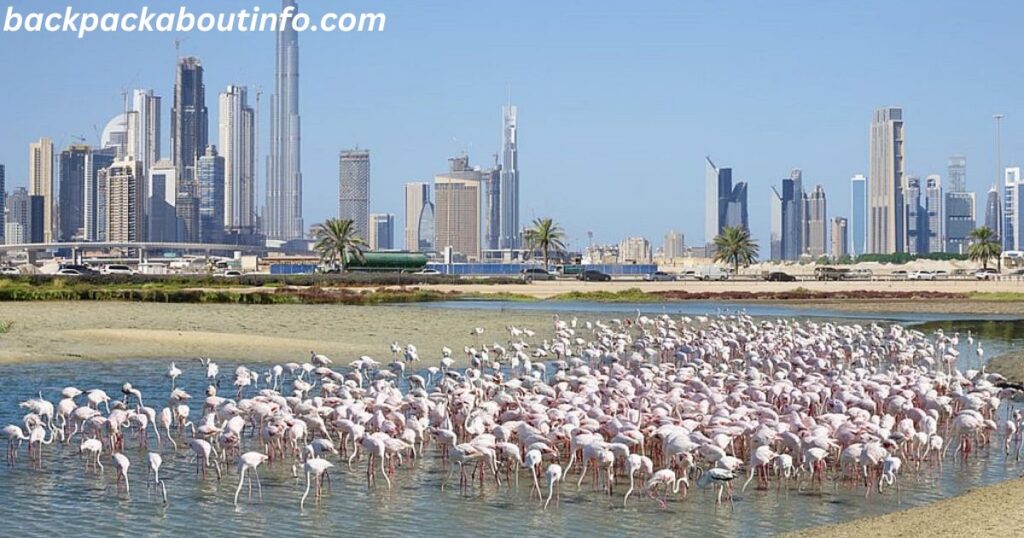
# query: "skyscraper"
{"type": "Point", "coordinates": [725, 203]}
{"type": "Point", "coordinates": [210, 176]}
{"type": "Point", "coordinates": [19, 217]}
{"type": "Point", "coordinates": [816, 212]}
{"type": "Point", "coordinates": [858, 214]}
{"type": "Point", "coordinates": [960, 207]}
{"type": "Point", "coordinates": [933, 208]}
{"type": "Point", "coordinates": [3, 204]}
{"type": "Point", "coordinates": [775, 230]}
{"type": "Point", "coordinates": [354, 189]}
{"type": "Point", "coordinates": [189, 135]}
{"type": "Point", "coordinates": [787, 215]}
{"type": "Point", "coordinates": [492, 220]}
{"type": "Point", "coordinates": [124, 200]}
{"type": "Point", "coordinates": [73, 161]}
{"type": "Point", "coordinates": [144, 128]}
{"type": "Point", "coordinates": [1013, 184]}
{"type": "Point", "coordinates": [798, 243]}
{"type": "Point", "coordinates": [94, 203]}
{"type": "Point", "coordinates": [162, 186]}
{"type": "Point", "coordinates": [840, 238]}
{"type": "Point", "coordinates": [283, 214]}
{"type": "Point", "coordinates": [915, 239]}
{"type": "Point", "coordinates": [509, 185]}
{"type": "Point", "coordinates": [993, 213]}
{"type": "Point", "coordinates": [457, 204]}
{"type": "Point", "coordinates": [236, 130]}
{"type": "Point", "coordinates": [382, 231]}
{"type": "Point", "coordinates": [674, 246]}
{"type": "Point", "coordinates": [40, 183]}
{"type": "Point", "coordinates": [885, 182]}
{"type": "Point", "coordinates": [417, 200]}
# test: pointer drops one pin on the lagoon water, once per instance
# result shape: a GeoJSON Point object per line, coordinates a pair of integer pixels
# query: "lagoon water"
{"type": "Point", "coordinates": [61, 498]}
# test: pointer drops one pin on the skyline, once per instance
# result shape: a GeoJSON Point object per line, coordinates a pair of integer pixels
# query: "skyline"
{"type": "Point", "coordinates": [693, 102]}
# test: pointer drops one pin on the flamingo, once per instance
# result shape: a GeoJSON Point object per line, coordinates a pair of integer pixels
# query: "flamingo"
{"type": "Point", "coordinates": [554, 475]}
{"type": "Point", "coordinates": [121, 463]}
{"type": "Point", "coordinates": [249, 460]}
{"type": "Point", "coordinates": [315, 469]}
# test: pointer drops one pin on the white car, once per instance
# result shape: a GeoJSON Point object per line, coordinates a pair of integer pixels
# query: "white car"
{"type": "Point", "coordinates": [921, 275]}
{"type": "Point", "coordinates": [116, 270]}
{"type": "Point", "coordinates": [428, 272]}
{"type": "Point", "coordinates": [69, 272]}
{"type": "Point", "coordinates": [9, 271]}
{"type": "Point", "coordinates": [230, 273]}
{"type": "Point", "coordinates": [986, 274]}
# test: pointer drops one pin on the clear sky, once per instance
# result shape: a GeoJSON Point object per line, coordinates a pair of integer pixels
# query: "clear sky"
{"type": "Point", "coordinates": [618, 101]}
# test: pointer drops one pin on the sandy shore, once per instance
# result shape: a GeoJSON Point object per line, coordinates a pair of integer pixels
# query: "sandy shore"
{"type": "Point", "coordinates": [103, 330]}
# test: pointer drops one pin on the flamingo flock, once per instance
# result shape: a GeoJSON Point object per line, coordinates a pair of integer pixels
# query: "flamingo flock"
{"type": "Point", "coordinates": [661, 404]}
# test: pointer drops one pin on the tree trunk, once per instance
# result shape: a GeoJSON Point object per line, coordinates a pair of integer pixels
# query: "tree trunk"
{"type": "Point", "coordinates": [545, 259]}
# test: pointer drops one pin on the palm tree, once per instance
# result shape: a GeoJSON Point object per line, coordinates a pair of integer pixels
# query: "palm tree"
{"type": "Point", "coordinates": [545, 235]}
{"type": "Point", "coordinates": [983, 246]}
{"type": "Point", "coordinates": [735, 246]}
{"type": "Point", "coordinates": [336, 241]}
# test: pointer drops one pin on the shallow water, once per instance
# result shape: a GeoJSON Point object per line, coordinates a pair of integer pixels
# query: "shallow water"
{"type": "Point", "coordinates": [62, 498]}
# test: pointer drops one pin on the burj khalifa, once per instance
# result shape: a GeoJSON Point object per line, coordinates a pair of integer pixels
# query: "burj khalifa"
{"type": "Point", "coordinates": [283, 214]}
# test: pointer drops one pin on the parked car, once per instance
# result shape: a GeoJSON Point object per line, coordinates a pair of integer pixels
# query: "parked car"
{"type": "Point", "coordinates": [989, 273]}
{"type": "Point", "coordinates": [81, 268]}
{"type": "Point", "coordinates": [427, 272]}
{"type": "Point", "coordinates": [921, 275]}
{"type": "Point", "coordinates": [230, 273]}
{"type": "Point", "coordinates": [659, 276]}
{"type": "Point", "coordinates": [899, 274]}
{"type": "Point", "coordinates": [690, 275]}
{"type": "Point", "coordinates": [593, 275]}
{"type": "Point", "coordinates": [941, 275]}
{"type": "Point", "coordinates": [859, 274]}
{"type": "Point", "coordinates": [69, 272]}
{"type": "Point", "coordinates": [116, 270]}
{"type": "Point", "coordinates": [779, 276]}
{"type": "Point", "coordinates": [831, 273]}
{"type": "Point", "coordinates": [9, 271]}
{"type": "Point", "coordinates": [535, 273]}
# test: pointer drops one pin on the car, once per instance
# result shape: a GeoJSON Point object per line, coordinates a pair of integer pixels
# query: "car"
{"type": "Point", "coordinates": [899, 274]}
{"type": "Point", "coordinates": [779, 276]}
{"type": "Point", "coordinates": [593, 275]}
{"type": "Point", "coordinates": [988, 273]}
{"type": "Point", "coordinates": [1017, 272]}
{"type": "Point", "coordinates": [427, 272]}
{"type": "Point", "coordinates": [69, 272]}
{"type": "Point", "coordinates": [831, 273]}
{"type": "Point", "coordinates": [231, 273]}
{"type": "Point", "coordinates": [690, 275]}
{"type": "Point", "coordinates": [941, 275]}
{"type": "Point", "coordinates": [659, 276]}
{"type": "Point", "coordinates": [920, 275]}
{"type": "Point", "coordinates": [535, 273]}
{"type": "Point", "coordinates": [116, 270]}
{"type": "Point", "coordinates": [9, 271]}
{"type": "Point", "coordinates": [81, 268]}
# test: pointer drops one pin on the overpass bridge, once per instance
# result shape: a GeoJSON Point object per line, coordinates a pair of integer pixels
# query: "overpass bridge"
{"type": "Point", "coordinates": [141, 247]}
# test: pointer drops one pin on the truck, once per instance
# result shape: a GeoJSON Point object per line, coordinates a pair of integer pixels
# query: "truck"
{"type": "Point", "coordinates": [706, 272]}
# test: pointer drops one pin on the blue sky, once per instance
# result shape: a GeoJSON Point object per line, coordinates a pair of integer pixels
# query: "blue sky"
{"type": "Point", "coordinates": [619, 101]}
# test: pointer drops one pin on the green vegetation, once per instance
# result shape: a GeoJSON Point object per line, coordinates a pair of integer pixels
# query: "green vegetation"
{"type": "Point", "coordinates": [336, 240]}
{"type": "Point", "coordinates": [998, 296]}
{"type": "Point", "coordinates": [735, 246]}
{"type": "Point", "coordinates": [547, 236]}
{"type": "Point", "coordinates": [499, 296]}
{"type": "Point", "coordinates": [984, 246]}
{"type": "Point", "coordinates": [631, 295]}
{"type": "Point", "coordinates": [5, 326]}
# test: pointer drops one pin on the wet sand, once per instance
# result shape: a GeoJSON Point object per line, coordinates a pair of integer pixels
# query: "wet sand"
{"type": "Point", "coordinates": [44, 331]}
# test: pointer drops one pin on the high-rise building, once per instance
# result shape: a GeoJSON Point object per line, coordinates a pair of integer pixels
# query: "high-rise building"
{"type": "Point", "coordinates": [186, 209]}
{"type": "Point", "coordinates": [509, 185]}
{"type": "Point", "coordinates": [816, 213]}
{"type": "Point", "coordinates": [95, 197]}
{"type": "Point", "coordinates": [787, 214]}
{"type": "Point", "coordinates": [144, 128]}
{"type": "Point", "coordinates": [19, 217]}
{"type": "Point", "coordinates": [3, 205]}
{"type": "Point", "coordinates": [933, 208]}
{"type": "Point", "coordinates": [237, 130]}
{"type": "Point", "coordinates": [674, 246]}
{"type": "Point", "coordinates": [725, 203]}
{"type": "Point", "coordinates": [885, 182]}
{"type": "Point", "coordinates": [492, 212]}
{"type": "Point", "coordinates": [282, 217]}
{"type": "Point", "coordinates": [210, 175]}
{"type": "Point", "coordinates": [162, 186]}
{"type": "Point", "coordinates": [457, 204]}
{"type": "Point", "coordinates": [840, 238]}
{"type": "Point", "coordinates": [73, 162]}
{"type": "Point", "coordinates": [124, 201]}
{"type": "Point", "coordinates": [915, 239]}
{"type": "Point", "coordinates": [189, 132]}
{"type": "Point", "coordinates": [417, 201]}
{"type": "Point", "coordinates": [798, 231]}
{"type": "Point", "coordinates": [116, 136]}
{"type": "Point", "coordinates": [40, 183]}
{"type": "Point", "coordinates": [960, 207]}
{"type": "Point", "coordinates": [382, 231]}
{"type": "Point", "coordinates": [1013, 185]}
{"type": "Point", "coordinates": [858, 214]}
{"type": "Point", "coordinates": [354, 189]}
{"type": "Point", "coordinates": [37, 218]}
{"type": "Point", "coordinates": [635, 250]}
{"type": "Point", "coordinates": [775, 231]}
{"type": "Point", "coordinates": [993, 212]}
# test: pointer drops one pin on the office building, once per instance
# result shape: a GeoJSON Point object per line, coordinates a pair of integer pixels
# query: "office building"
{"type": "Point", "coordinates": [492, 210]}
{"type": "Point", "coordinates": [885, 183]}
{"type": "Point", "coordinates": [419, 218]}
{"type": "Point", "coordinates": [635, 250]}
{"type": "Point", "coordinates": [186, 208]}
{"type": "Point", "coordinates": [189, 131]}
{"type": "Point", "coordinates": [816, 213]}
{"type": "Point", "coordinates": [798, 244]}
{"type": "Point", "coordinates": [124, 201]}
{"type": "Point", "coordinates": [144, 129]}
{"type": "Point", "coordinates": [457, 222]}
{"type": "Point", "coordinates": [787, 208]}
{"type": "Point", "coordinates": [40, 183]}
{"type": "Point", "coordinates": [354, 189]}
{"type": "Point", "coordinates": [840, 238]}
{"type": "Point", "coordinates": [237, 138]}
{"type": "Point", "coordinates": [71, 193]}
{"type": "Point", "coordinates": [858, 215]}
{"type": "Point", "coordinates": [116, 135]}
{"type": "Point", "coordinates": [210, 176]}
{"type": "Point", "coordinates": [382, 231]}
{"type": "Point", "coordinates": [993, 212]}
{"type": "Point", "coordinates": [162, 188]}
{"type": "Point", "coordinates": [509, 184]}
{"type": "Point", "coordinates": [957, 172]}
{"type": "Point", "coordinates": [95, 196]}
{"type": "Point", "coordinates": [1013, 188]}
{"type": "Point", "coordinates": [933, 208]}
{"type": "Point", "coordinates": [19, 217]}
{"type": "Point", "coordinates": [675, 246]}
{"type": "Point", "coordinates": [959, 207]}
{"type": "Point", "coordinates": [915, 239]}
{"type": "Point", "coordinates": [725, 204]}
{"type": "Point", "coordinates": [282, 218]}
